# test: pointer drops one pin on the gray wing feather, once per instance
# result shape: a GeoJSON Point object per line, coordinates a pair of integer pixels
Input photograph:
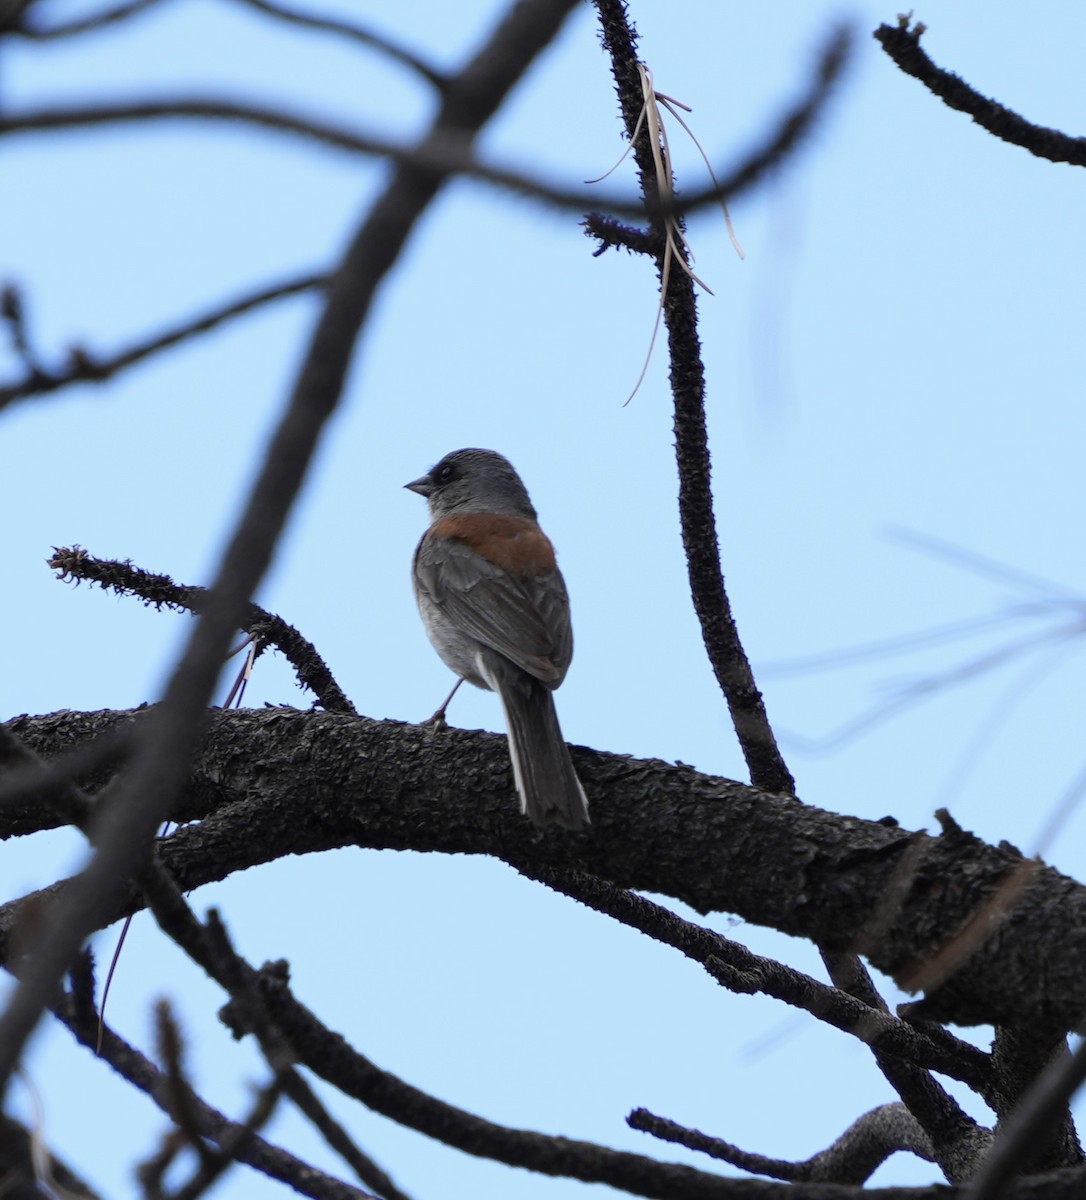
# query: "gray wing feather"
{"type": "Point", "coordinates": [527, 620]}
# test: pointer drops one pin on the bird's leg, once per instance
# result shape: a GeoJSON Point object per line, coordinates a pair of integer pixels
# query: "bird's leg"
{"type": "Point", "coordinates": [438, 719]}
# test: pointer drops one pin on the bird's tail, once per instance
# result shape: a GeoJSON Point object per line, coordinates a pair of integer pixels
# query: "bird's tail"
{"type": "Point", "coordinates": [550, 792]}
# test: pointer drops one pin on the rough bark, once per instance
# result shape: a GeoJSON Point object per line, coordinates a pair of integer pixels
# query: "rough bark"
{"type": "Point", "coordinates": [989, 936]}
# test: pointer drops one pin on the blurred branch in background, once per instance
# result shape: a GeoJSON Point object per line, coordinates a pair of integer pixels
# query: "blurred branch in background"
{"type": "Point", "coordinates": [902, 43]}
{"type": "Point", "coordinates": [84, 366]}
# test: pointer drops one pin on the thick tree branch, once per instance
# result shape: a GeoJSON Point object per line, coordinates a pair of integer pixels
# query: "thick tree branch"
{"type": "Point", "coordinates": [279, 782]}
{"type": "Point", "coordinates": [902, 44]}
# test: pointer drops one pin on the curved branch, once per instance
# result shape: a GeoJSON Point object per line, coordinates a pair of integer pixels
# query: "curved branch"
{"type": "Point", "coordinates": [290, 16]}
{"type": "Point", "coordinates": [84, 367]}
{"type": "Point", "coordinates": [334, 1060]}
{"type": "Point", "coordinates": [853, 1158]}
{"type": "Point", "coordinates": [714, 844]}
{"type": "Point", "coordinates": [268, 628]}
{"type": "Point", "coordinates": [81, 1019]}
{"type": "Point", "coordinates": [902, 44]}
{"type": "Point", "coordinates": [98, 20]}
{"type": "Point", "coordinates": [735, 967]}
{"type": "Point", "coordinates": [352, 33]}
{"type": "Point", "coordinates": [955, 1139]}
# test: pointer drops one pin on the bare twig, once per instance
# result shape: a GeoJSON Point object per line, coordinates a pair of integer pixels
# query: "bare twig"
{"type": "Point", "coordinates": [213, 1166]}
{"type": "Point", "coordinates": [160, 590]}
{"type": "Point", "coordinates": [84, 367]}
{"type": "Point", "coordinates": [902, 43]}
{"type": "Point", "coordinates": [13, 315]}
{"type": "Point", "coordinates": [98, 20]}
{"type": "Point", "coordinates": [76, 1011]}
{"type": "Point", "coordinates": [368, 1171]}
{"type": "Point", "coordinates": [746, 973]}
{"type": "Point", "coordinates": [353, 33]}
{"type": "Point", "coordinates": [179, 1093]}
{"type": "Point", "coordinates": [852, 1158]}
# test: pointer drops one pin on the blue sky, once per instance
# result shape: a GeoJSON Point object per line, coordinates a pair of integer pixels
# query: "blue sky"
{"type": "Point", "coordinates": [900, 351]}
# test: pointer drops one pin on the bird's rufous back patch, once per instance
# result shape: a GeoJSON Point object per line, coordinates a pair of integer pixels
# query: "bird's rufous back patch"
{"type": "Point", "coordinates": [515, 544]}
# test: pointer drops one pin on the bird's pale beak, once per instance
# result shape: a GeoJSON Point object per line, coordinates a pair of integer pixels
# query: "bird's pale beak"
{"type": "Point", "coordinates": [422, 486]}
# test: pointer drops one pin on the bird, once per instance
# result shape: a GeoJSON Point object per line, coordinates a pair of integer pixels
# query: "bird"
{"type": "Point", "coordinates": [496, 609]}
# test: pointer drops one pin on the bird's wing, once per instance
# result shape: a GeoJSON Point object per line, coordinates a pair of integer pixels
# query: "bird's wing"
{"type": "Point", "coordinates": [524, 617]}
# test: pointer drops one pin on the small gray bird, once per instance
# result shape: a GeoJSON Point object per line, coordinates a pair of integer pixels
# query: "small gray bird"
{"type": "Point", "coordinates": [496, 609]}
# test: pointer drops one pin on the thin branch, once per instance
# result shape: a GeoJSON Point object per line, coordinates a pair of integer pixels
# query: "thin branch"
{"type": "Point", "coordinates": [209, 946]}
{"type": "Point", "coordinates": [852, 1158]}
{"type": "Point", "coordinates": [85, 367]}
{"type": "Point", "coordinates": [295, 17]}
{"type": "Point", "coordinates": [353, 33]}
{"type": "Point", "coordinates": [214, 1166]}
{"type": "Point", "coordinates": [951, 631]}
{"type": "Point", "coordinates": [720, 635]}
{"type": "Point", "coordinates": [910, 694]}
{"type": "Point", "coordinates": [160, 590]}
{"type": "Point", "coordinates": [367, 1170]}
{"type": "Point", "coordinates": [29, 1171]}
{"type": "Point", "coordinates": [76, 1011]}
{"type": "Point", "coordinates": [263, 1004]}
{"type": "Point", "coordinates": [333, 1059]}
{"type": "Point", "coordinates": [738, 969]}
{"type": "Point", "coordinates": [179, 1092]}
{"type": "Point", "coordinates": [967, 559]}
{"type": "Point", "coordinates": [13, 314]}
{"type": "Point", "coordinates": [610, 232]}
{"type": "Point", "coordinates": [447, 151]}
{"type": "Point", "coordinates": [145, 794]}
{"type": "Point", "coordinates": [955, 1139]}
{"type": "Point", "coordinates": [902, 44]}
{"type": "Point", "coordinates": [96, 21]}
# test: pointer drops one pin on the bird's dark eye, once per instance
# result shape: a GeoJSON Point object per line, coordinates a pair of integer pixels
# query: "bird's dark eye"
{"type": "Point", "coordinates": [445, 473]}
